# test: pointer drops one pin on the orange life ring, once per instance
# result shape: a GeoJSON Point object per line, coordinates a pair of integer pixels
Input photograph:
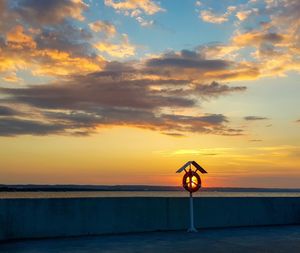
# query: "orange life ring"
{"type": "Point", "coordinates": [191, 181]}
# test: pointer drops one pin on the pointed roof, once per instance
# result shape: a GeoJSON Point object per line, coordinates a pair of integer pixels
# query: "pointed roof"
{"type": "Point", "coordinates": [196, 165]}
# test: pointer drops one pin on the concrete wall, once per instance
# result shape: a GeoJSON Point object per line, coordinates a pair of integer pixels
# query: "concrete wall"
{"type": "Point", "coordinates": [36, 218]}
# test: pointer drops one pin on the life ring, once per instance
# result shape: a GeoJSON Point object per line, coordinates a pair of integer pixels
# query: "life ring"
{"type": "Point", "coordinates": [191, 181]}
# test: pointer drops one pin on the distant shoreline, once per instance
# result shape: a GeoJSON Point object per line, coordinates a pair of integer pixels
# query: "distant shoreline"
{"type": "Point", "coordinates": [72, 188]}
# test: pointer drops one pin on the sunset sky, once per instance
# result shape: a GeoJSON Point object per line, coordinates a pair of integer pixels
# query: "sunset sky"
{"type": "Point", "coordinates": [126, 92]}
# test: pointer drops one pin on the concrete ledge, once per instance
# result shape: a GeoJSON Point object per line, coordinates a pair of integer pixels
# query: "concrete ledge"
{"type": "Point", "coordinates": [38, 218]}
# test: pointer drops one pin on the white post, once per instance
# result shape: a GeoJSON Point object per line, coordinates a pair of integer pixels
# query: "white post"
{"type": "Point", "coordinates": [192, 227]}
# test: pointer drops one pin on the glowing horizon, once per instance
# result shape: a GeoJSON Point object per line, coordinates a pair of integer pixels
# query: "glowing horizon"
{"type": "Point", "coordinates": [125, 92]}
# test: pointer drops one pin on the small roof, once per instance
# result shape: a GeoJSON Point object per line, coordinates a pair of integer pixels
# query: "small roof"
{"type": "Point", "coordinates": [196, 165]}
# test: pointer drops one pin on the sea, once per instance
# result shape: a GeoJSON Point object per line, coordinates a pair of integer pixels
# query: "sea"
{"type": "Point", "coordinates": [115, 194]}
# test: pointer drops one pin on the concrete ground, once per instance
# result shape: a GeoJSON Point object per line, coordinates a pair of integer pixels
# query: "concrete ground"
{"type": "Point", "coordinates": [242, 240]}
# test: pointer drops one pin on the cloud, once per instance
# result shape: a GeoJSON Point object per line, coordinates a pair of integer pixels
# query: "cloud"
{"type": "Point", "coordinates": [98, 91]}
{"type": "Point", "coordinates": [144, 22]}
{"type": "Point", "coordinates": [173, 134]}
{"type": "Point", "coordinates": [103, 26]}
{"type": "Point", "coordinates": [243, 15]}
{"type": "Point", "coordinates": [52, 49]}
{"type": "Point", "coordinates": [50, 11]}
{"type": "Point", "coordinates": [198, 3]}
{"type": "Point", "coordinates": [270, 48]}
{"type": "Point", "coordinates": [7, 111]}
{"type": "Point", "coordinates": [121, 95]}
{"type": "Point", "coordinates": [211, 17]}
{"type": "Point", "coordinates": [136, 9]}
{"type": "Point", "coordinates": [17, 39]}
{"type": "Point", "coordinates": [215, 89]}
{"type": "Point", "coordinates": [86, 122]}
{"type": "Point", "coordinates": [257, 38]}
{"type": "Point", "coordinates": [150, 94]}
{"type": "Point", "coordinates": [250, 118]}
{"type": "Point", "coordinates": [60, 48]}
{"type": "Point", "coordinates": [12, 78]}
{"type": "Point", "coordinates": [40, 37]}
{"type": "Point", "coordinates": [153, 93]}
{"type": "Point", "coordinates": [13, 127]}
{"type": "Point", "coordinates": [219, 51]}
{"type": "Point", "coordinates": [2, 7]}
{"type": "Point", "coordinates": [122, 50]}
{"type": "Point", "coordinates": [67, 38]}
{"type": "Point", "coordinates": [137, 14]}
{"type": "Point", "coordinates": [149, 7]}
{"type": "Point", "coordinates": [186, 59]}
{"type": "Point", "coordinates": [193, 65]}
{"type": "Point", "coordinates": [189, 63]}
{"type": "Point", "coordinates": [19, 55]}
{"type": "Point", "coordinates": [276, 41]}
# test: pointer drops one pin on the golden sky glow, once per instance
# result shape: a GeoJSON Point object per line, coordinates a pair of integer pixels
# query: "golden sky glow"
{"type": "Point", "coordinates": [125, 92]}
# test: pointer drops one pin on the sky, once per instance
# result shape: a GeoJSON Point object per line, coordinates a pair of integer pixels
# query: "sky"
{"type": "Point", "coordinates": [125, 92]}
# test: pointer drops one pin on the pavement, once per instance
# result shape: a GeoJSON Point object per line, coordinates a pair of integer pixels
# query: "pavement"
{"type": "Point", "coordinates": [241, 240]}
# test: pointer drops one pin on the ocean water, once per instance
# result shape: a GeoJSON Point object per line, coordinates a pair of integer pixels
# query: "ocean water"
{"type": "Point", "coordinates": [94, 194]}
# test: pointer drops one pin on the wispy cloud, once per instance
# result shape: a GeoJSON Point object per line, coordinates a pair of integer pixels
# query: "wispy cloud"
{"type": "Point", "coordinates": [253, 118]}
{"type": "Point", "coordinates": [211, 17]}
{"type": "Point", "coordinates": [147, 6]}
{"type": "Point", "coordinates": [136, 9]}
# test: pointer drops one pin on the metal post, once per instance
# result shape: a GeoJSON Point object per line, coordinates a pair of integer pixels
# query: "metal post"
{"type": "Point", "coordinates": [192, 227]}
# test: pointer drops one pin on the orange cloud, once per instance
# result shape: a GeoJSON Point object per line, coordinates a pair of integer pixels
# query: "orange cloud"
{"type": "Point", "coordinates": [122, 50]}
{"type": "Point", "coordinates": [256, 38]}
{"type": "Point", "coordinates": [275, 53]}
{"type": "Point", "coordinates": [103, 26]}
{"type": "Point", "coordinates": [20, 51]}
{"type": "Point", "coordinates": [17, 39]}
{"type": "Point", "coordinates": [242, 72]}
{"type": "Point", "coordinates": [55, 63]}
{"type": "Point", "coordinates": [220, 51]}
{"type": "Point", "coordinates": [48, 62]}
{"type": "Point", "coordinates": [243, 15]}
{"type": "Point", "coordinates": [210, 17]}
{"type": "Point", "coordinates": [275, 43]}
{"type": "Point", "coordinates": [12, 77]}
{"type": "Point", "coordinates": [147, 6]}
